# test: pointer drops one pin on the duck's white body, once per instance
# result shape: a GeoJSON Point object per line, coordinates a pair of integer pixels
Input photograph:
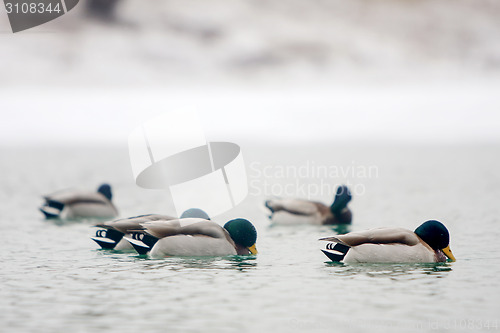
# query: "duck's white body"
{"type": "Point", "coordinates": [100, 210]}
{"type": "Point", "coordinates": [390, 253]}
{"type": "Point", "coordinates": [287, 218]}
{"type": "Point", "coordinates": [188, 245]}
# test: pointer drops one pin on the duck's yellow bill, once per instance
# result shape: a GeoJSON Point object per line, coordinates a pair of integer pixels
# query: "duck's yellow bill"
{"type": "Point", "coordinates": [447, 252]}
{"type": "Point", "coordinates": [253, 249]}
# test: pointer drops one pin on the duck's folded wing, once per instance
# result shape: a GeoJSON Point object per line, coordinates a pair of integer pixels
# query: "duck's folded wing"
{"type": "Point", "coordinates": [133, 223]}
{"type": "Point", "coordinates": [150, 217]}
{"type": "Point", "coordinates": [376, 236]}
{"type": "Point", "coordinates": [60, 195]}
{"type": "Point", "coordinates": [294, 206]}
{"type": "Point", "coordinates": [124, 226]}
{"type": "Point", "coordinates": [72, 196]}
{"type": "Point", "coordinates": [192, 226]}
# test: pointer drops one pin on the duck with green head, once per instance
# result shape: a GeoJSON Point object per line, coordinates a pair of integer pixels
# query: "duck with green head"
{"type": "Point", "coordinates": [194, 237]}
{"type": "Point", "coordinates": [428, 243]}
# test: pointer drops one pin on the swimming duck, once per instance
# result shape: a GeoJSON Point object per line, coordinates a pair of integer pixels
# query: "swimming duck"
{"type": "Point", "coordinates": [79, 204]}
{"type": "Point", "coordinates": [298, 211]}
{"type": "Point", "coordinates": [428, 243]}
{"type": "Point", "coordinates": [112, 237]}
{"type": "Point", "coordinates": [195, 237]}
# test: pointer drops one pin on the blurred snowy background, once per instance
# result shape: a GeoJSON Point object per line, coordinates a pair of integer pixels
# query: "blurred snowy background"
{"type": "Point", "coordinates": [364, 69]}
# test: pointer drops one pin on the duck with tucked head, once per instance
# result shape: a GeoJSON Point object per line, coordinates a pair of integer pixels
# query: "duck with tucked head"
{"type": "Point", "coordinates": [194, 237]}
{"type": "Point", "coordinates": [111, 234]}
{"type": "Point", "coordinates": [298, 211]}
{"type": "Point", "coordinates": [428, 243]}
{"type": "Point", "coordinates": [73, 204]}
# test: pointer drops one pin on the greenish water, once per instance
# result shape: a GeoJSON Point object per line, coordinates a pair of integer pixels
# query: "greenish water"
{"type": "Point", "coordinates": [54, 279]}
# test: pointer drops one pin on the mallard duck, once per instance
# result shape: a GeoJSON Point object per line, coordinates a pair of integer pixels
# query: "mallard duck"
{"type": "Point", "coordinates": [112, 235]}
{"type": "Point", "coordinates": [195, 237]}
{"type": "Point", "coordinates": [79, 204]}
{"type": "Point", "coordinates": [298, 211]}
{"type": "Point", "coordinates": [428, 243]}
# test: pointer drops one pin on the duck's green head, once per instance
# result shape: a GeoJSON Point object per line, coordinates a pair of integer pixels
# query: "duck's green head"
{"type": "Point", "coordinates": [243, 233]}
{"type": "Point", "coordinates": [342, 198]}
{"type": "Point", "coordinates": [437, 236]}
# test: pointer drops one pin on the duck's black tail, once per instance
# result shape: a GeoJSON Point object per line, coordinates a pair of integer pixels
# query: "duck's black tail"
{"type": "Point", "coordinates": [142, 242]}
{"type": "Point", "coordinates": [108, 238]}
{"type": "Point", "coordinates": [336, 251]}
{"type": "Point", "coordinates": [52, 209]}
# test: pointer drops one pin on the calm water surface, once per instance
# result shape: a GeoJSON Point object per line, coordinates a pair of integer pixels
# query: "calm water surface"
{"type": "Point", "coordinates": [54, 278]}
